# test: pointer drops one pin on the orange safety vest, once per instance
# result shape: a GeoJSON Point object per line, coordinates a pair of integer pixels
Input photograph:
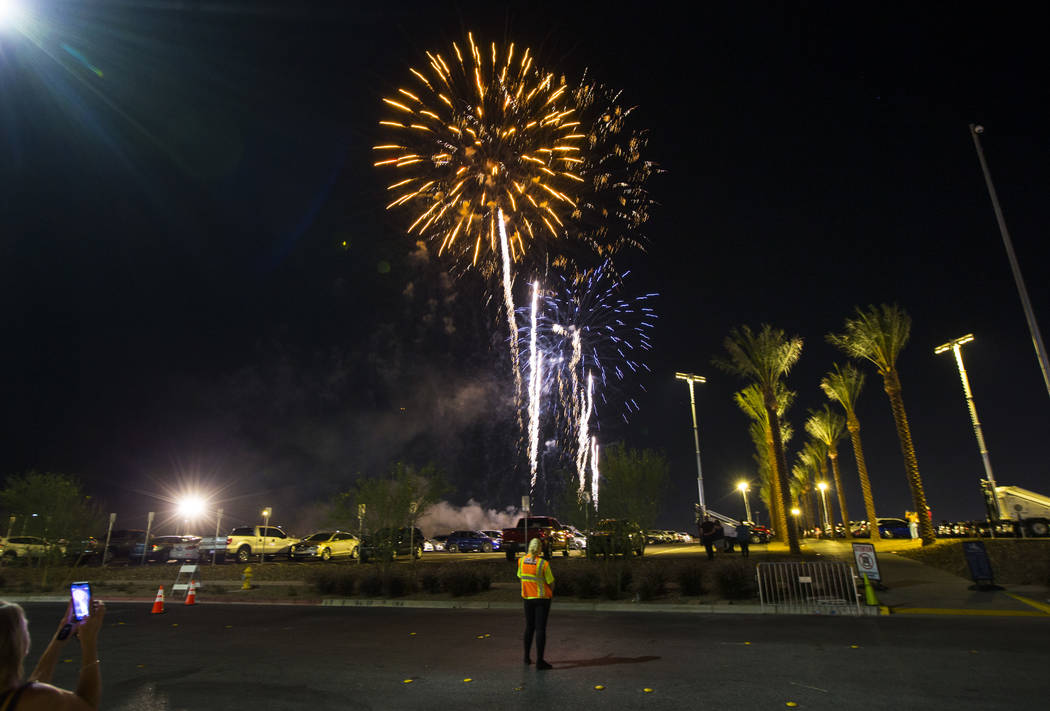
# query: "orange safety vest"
{"type": "Point", "coordinates": [536, 577]}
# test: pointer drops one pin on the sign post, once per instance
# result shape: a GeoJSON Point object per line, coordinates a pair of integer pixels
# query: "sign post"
{"type": "Point", "coordinates": [361, 509]}
{"type": "Point", "coordinates": [867, 561]}
{"type": "Point", "coordinates": [145, 543]}
{"type": "Point", "coordinates": [109, 532]}
{"type": "Point", "coordinates": [215, 548]}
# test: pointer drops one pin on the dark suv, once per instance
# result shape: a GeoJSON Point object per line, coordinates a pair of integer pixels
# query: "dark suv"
{"type": "Point", "coordinates": [616, 536]}
{"type": "Point", "coordinates": [122, 544]}
{"type": "Point", "coordinates": [462, 541]}
{"type": "Point", "coordinates": [389, 543]}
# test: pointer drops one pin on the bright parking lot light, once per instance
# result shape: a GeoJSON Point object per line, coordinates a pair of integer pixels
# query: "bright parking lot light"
{"type": "Point", "coordinates": [190, 507]}
{"type": "Point", "coordinates": [11, 13]}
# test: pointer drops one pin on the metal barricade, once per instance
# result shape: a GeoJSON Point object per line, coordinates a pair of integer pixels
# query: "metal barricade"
{"type": "Point", "coordinates": [826, 588]}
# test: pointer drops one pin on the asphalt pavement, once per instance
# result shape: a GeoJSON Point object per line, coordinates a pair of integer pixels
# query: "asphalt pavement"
{"type": "Point", "coordinates": [220, 656]}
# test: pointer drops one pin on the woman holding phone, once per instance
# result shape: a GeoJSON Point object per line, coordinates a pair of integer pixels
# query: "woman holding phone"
{"type": "Point", "coordinates": [37, 692]}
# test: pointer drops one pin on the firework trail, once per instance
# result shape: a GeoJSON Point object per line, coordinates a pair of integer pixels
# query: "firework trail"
{"type": "Point", "coordinates": [508, 303]}
{"type": "Point", "coordinates": [594, 472]}
{"type": "Point", "coordinates": [583, 434]}
{"type": "Point", "coordinates": [535, 380]}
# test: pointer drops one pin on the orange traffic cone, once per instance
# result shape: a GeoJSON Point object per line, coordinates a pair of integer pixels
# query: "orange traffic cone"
{"type": "Point", "coordinates": [158, 602]}
{"type": "Point", "coordinates": [191, 597]}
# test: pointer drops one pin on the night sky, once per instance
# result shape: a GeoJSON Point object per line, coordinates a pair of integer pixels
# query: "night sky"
{"type": "Point", "coordinates": [178, 180]}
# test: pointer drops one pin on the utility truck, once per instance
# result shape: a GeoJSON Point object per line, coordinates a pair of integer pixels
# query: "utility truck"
{"type": "Point", "coordinates": [1027, 511]}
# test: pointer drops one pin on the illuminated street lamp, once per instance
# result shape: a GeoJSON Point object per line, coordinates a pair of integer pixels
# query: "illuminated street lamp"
{"type": "Point", "coordinates": [796, 512]}
{"type": "Point", "coordinates": [823, 486]}
{"type": "Point", "coordinates": [690, 379]}
{"type": "Point", "coordinates": [189, 508]}
{"type": "Point", "coordinates": [955, 346]}
{"type": "Point", "coordinates": [743, 488]}
{"type": "Point", "coordinates": [11, 13]}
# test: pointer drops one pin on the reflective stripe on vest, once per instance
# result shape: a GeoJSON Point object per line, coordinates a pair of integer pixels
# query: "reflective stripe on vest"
{"type": "Point", "coordinates": [533, 582]}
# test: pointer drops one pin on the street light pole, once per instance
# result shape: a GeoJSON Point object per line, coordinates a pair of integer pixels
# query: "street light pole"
{"type": "Point", "coordinates": [955, 345]}
{"type": "Point", "coordinates": [690, 378]}
{"type": "Point", "coordinates": [1033, 327]}
{"type": "Point", "coordinates": [743, 487]}
{"type": "Point", "coordinates": [823, 486]}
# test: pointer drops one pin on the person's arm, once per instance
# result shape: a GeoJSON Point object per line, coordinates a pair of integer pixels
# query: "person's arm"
{"type": "Point", "coordinates": [45, 667]}
{"type": "Point", "coordinates": [89, 685]}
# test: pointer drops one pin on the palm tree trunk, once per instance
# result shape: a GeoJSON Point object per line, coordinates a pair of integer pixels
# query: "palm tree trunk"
{"type": "Point", "coordinates": [834, 457]}
{"type": "Point", "coordinates": [776, 511]}
{"type": "Point", "coordinates": [892, 385]}
{"type": "Point", "coordinates": [780, 465]}
{"type": "Point", "coordinates": [853, 425]}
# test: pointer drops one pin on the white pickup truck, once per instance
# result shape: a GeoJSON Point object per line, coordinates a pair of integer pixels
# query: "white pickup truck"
{"type": "Point", "coordinates": [247, 542]}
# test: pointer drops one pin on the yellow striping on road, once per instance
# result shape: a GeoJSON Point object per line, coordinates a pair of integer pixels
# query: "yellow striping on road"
{"type": "Point", "coordinates": [1029, 601]}
{"type": "Point", "coordinates": [950, 611]}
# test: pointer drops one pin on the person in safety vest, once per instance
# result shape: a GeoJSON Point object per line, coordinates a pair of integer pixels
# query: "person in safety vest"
{"type": "Point", "coordinates": [537, 589]}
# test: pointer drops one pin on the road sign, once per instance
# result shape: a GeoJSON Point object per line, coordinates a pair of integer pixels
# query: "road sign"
{"type": "Point", "coordinates": [867, 561]}
{"type": "Point", "coordinates": [525, 504]}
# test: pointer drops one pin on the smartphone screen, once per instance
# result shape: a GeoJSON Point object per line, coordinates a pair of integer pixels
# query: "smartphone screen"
{"type": "Point", "coordinates": [81, 593]}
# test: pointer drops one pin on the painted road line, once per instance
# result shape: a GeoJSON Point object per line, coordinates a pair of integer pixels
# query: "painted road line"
{"type": "Point", "coordinates": [1034, 603]}
{"type": "Point", "coordinates": [950, 611]}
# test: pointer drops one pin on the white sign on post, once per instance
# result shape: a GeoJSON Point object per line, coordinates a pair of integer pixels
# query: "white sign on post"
{"type": "Point", "coordinates": [867, 561]}
{"type": "Point", "coordinates": [525, 504]}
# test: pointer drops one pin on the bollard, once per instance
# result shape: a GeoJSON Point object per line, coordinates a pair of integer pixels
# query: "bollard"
{"type": "Point", "coordinates": [247, 578]}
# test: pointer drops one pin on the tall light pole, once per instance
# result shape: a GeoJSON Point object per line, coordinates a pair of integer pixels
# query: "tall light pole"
{"type": "Point", "coordinates": [823, 486]}
{"type": "Point", "coordinates": [795, 513]}
{"type": "Point", "coordinates": [690, 378]}
{"type": "Point", "coordinates": [955, 346]}
{"type": "Point", "coordinates": [266, 521]}
{"type": "Point", "coordinates": [1033, 327]}
{"type": "Point", "coordinates": [743, 488]}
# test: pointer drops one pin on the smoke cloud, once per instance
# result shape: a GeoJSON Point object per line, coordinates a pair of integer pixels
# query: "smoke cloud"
{"type": "Point", "coordinates": [444, 517]}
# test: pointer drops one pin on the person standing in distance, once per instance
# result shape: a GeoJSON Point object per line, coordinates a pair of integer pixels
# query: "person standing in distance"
{"type": "Point", "coordinates": [743, 537]}
{"type": "Point", "coordinates": [537, 589]}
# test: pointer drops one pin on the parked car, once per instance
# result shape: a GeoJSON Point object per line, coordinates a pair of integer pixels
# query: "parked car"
{"type": "Point", "coordinates": [122, 543]}
{"type": "Point", "coordinates": [888, 528]}
{"type": "Point", "coordinates": [464, 541]}
{"type": "Point", "coordinates": [682, 537]}
{"type": "Point", "coordinates": [761, 534]}
{"type": "Point", "coordinates": [577, 539]}
{"type": "Point", "coordinates": [497, 539]}
{"type": "Point", "coordinates": [24, 547]}
{"type": "Point", "coordinates": [389, 543]}
{"type": "Point", "coordinates": [84, 551]}
{"type": "Point", "coordinates": [248, 541]}
{"type": "Point", "coordinates": [435, 543]}
{"type": "Point", "coordinates": [326, 545]}
{"type": "Point", "coordinates": [616, 537]}
{"type": "Point", "coordinates": [161, 549]}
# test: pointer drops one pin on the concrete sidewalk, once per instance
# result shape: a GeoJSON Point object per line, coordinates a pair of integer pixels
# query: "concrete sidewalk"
{"type": "Point", "coordinates": [915, 588]}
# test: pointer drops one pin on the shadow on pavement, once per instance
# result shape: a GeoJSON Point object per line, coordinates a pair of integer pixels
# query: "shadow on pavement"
{"type": "Point", "coordinates": [600, 662]}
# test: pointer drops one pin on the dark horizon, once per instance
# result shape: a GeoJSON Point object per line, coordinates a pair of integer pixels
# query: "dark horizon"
{"type": "Point", "coordinates": [180, 305]}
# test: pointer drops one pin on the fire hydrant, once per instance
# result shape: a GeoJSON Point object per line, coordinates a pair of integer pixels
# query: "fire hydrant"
{"type": "Point", "coordinates": [247, 578]}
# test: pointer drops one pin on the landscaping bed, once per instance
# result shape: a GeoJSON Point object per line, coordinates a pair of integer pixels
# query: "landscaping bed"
{"type": "Point", "coordinates": [1014, 561]}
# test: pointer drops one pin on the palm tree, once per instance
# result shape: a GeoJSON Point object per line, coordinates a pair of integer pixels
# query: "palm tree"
{"type": "Point", "coordinates": [878, 335]}
{"type": "Point", "coordinates": [751, 402]}
{"type": "Point", "coordinates": [765, 358]}
{"type": "Point", "coordinates": [843, 385]}
{"type": "Point", "coordinates": [828, 427]}
{"type": "Point", "coordinates": [802, 477]}
{"type": "Point", "coordinates": [816, 452]}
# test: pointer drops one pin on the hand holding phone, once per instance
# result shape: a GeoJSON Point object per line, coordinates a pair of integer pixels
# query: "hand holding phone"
{"type": "Point", "coordinates": [81, 594]}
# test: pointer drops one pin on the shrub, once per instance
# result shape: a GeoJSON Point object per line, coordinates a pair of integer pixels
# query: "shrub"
{"type": "Point", "coordinates": [396, 583]}
{"type": "Point", "coordinates": [429, 580]}
{"type": "Point", "coordinates": [735, 580]}
{"type": "Point", "coordinates": [615, 577]}
{"type": "Point", "coordinates": [691, 580]}
{"type": "Point", "coordinates": [652, 581]}
{"type": "Point", "coordinates": [581, 580]}
{"type": "Point", "coordinates": [465, 579]}
{"type": "Point", "coordinates": [371, 584]}
{"type": "Point", "coordinates": [335, 582]}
